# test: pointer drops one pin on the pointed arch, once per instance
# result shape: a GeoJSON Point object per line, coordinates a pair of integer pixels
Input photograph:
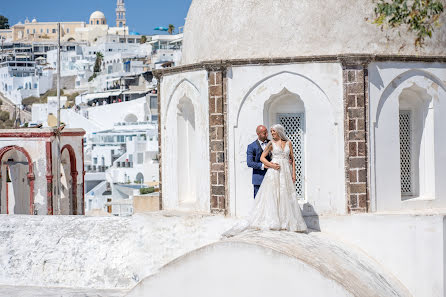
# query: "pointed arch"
{"type": "Point", "coordinates": [289, 87]}
{"type": "Point", "coordinates": [30, 175]}
{"type": "Point", "coordinates": [74, 173]}
{"type": "Point", "coordinates": [189, 87]}
{"type": "Point", "coordinates": [402, 81]}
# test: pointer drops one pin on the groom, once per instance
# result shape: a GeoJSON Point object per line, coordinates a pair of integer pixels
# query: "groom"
{"type": "Point", "coordinates": [253, 153]}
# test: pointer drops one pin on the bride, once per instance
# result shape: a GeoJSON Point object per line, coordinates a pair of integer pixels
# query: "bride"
{"type": "Point", "coordinates": [276, 205]}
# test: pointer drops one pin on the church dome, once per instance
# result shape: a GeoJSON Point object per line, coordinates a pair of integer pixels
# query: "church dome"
{"type": "Point", "coordinates": [97, 18]}
{"type": "Point", "coordinates": [34, 21]}
{"type": "Point", "coordinates": [235, 29]}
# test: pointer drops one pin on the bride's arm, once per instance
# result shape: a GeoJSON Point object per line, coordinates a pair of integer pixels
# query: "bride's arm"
{"type": "Point", "coordinates": [265, 161]}
{"type": "Point", "coordinates": [292, 159]}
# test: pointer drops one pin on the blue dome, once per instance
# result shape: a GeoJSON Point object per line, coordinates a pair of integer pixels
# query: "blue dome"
{"type": "Point", "coordinates": [134, 33]}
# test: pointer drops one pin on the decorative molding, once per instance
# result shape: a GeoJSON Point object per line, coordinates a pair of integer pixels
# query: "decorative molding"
{"type": "Point", "coordinates": [38, 134]}
{"type": "Point", "coordinates": [345, 59]}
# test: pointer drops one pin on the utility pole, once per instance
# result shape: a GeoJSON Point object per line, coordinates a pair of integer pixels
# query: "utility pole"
{"type": "Point", "coordinates": [58, 155]}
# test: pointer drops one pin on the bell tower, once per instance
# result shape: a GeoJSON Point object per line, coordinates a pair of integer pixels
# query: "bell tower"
{"type": "Point", "coordinates": [120, 14]}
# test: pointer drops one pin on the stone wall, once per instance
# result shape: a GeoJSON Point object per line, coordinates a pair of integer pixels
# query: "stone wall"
{"type": "Point", "coordinates": [217, 139]}
{"type": "Point", "coordinates": [66, 82]}
{"type": "Point", "coordinates": [355, 78]}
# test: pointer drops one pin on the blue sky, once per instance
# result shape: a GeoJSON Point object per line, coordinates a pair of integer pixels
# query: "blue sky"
{"type": "Point", "coordinates": [142, 15]}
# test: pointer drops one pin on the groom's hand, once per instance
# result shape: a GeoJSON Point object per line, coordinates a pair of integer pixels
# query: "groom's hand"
{"type": "Point", "coordinates": [275, 166]}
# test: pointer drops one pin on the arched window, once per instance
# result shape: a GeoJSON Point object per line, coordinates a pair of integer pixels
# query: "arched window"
{"type": "Point", "coordinates": [139, 178]}
{"type": "Point", "coordinates": [15, 188]}
{"type": "Point", "coordinates": [186, 138]}
{"type": "Point", "coordinates": [288, 110]}
{"type": "Point", "coordinates": [416, 135]}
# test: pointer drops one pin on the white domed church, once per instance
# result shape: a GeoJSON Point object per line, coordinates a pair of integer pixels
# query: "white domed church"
{"type": "Point", "coordinates": [365, 110]}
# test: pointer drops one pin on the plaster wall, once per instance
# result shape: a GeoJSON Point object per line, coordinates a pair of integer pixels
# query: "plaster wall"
{"type": "Point", "coordinates": [76, 120]}
{"type": "Point", "coordinates": [101, 152]}
{"type": "Point", "coordinates": [109, 114]}
{"type": "Point", "coordinates": [319, 88]}
{"type": "Point", "coordinates": [253, 277]}
{"type": "Point", "coordinates": [412, 247]}
{"type": "Point", "coordinates": [329, 27]}
{"type": "Point", "coordinates": [387, 81]}
{"type": "Point", "coordinates": [97, 252]}
{"type": "Point", "coordinates": [36, 149]}
{"type": "Point", "coordinates": [194, 86]}
{"type": "Point", "coordinates": [149, 169]}
{"type": "Point", "coordinates": [76, 143]}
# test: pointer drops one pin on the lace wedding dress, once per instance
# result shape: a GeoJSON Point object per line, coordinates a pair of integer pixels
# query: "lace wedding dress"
{"type": "Point", "coordinates": [276, 205]}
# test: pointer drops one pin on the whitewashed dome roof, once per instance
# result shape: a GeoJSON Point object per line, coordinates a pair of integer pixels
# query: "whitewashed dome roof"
{"type": "Point", "coordinates": [246, 29]}
{"type": "Point", "coordinates": [97, 15]}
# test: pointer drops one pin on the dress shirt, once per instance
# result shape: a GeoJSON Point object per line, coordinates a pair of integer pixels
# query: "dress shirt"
{"type": "Point", "coordinates": [263, 146]}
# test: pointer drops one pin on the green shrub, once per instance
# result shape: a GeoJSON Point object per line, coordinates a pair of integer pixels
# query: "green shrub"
{"type": "Point", "coordinates": [30, 100]}
{"type": "Point", "coordinates": [145, 191]}
{"type": "Point", "coordinates": [4, 116]}
{"type": "Point", "coordinates": [72, 97]}
{"type": "Point", "coordinates": [42, 99]}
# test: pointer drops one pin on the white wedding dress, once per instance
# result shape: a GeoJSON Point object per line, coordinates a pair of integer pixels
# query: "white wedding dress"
{"type": "Point", "coordinates": [276, 204]}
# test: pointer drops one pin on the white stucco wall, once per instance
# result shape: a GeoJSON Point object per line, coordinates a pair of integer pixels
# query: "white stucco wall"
{"type": "Point", "coordinates": [76, 143]}
{"type": "Point", "coordinates": [387, 82]}
{"type": "Point", "coordinates": [319, 87]}
{"type": "Point", "coordinates": [240, 271]}
{"type": "Point", "coordinates": [107, 115]}
{"type": "Point", "coordinates": [411, 246]}
{"type": "Point", "coordinates": [273, 264]}
{"type": "Point", "coordinates": [288, 28]}
{"type": "Point", "coordinates": [97, 252]}
{"type": "Point", "coordinates": [193, 85]}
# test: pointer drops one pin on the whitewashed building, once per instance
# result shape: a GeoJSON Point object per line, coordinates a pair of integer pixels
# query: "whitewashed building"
{"type": "Point", "coordinates": [364, 108]}
{"type": "Point", "coordinates": [166, 50]}
{"type": "Point", "coordinates": [20, 74]}
{"type": "Point", "coordinates": [28, 172]}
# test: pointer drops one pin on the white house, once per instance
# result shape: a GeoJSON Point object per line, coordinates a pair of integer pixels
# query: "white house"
{"type": "Point", "coordinates": [364, 108]}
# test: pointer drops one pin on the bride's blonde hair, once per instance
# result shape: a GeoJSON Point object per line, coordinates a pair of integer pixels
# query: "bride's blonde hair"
{"type": "Point", "coordinates": [280, 130]}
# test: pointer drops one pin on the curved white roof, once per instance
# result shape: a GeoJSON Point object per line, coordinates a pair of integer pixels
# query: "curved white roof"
{"type": "Point", "coordinates": [235, 29]}
{"type": "Point", "coordinates": [97, 15]}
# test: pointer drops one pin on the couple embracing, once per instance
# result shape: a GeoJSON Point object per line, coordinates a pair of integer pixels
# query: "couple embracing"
{"type": "Point", "coordinates": [276, 205]}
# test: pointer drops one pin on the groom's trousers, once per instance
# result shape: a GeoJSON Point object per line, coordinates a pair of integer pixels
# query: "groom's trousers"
{"type": "Point", "coordinates": [256, 189]}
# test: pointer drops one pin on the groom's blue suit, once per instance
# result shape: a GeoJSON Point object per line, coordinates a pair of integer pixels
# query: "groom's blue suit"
{"type": "Point", "coordinates": [253, 154]}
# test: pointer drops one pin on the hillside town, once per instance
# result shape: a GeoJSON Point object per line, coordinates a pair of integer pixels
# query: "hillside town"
{"type": "Point", "coordinates": [107, 89]}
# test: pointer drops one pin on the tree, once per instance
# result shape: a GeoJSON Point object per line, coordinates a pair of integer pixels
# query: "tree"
{"type": "Point", "coordinates": [143, 39]}
{"type": "Point", "coordinates": [98, 62]}
{"type": "Point", "coordinates": [171, 29]}
{"type": "Point", "coordinates": [419, 16]}
{"type": "Point", "coordinates": [4, 22]}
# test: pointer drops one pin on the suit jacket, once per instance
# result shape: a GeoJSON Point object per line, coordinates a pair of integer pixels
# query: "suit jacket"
{"type": "Point", "coordinates": [253, 154]}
